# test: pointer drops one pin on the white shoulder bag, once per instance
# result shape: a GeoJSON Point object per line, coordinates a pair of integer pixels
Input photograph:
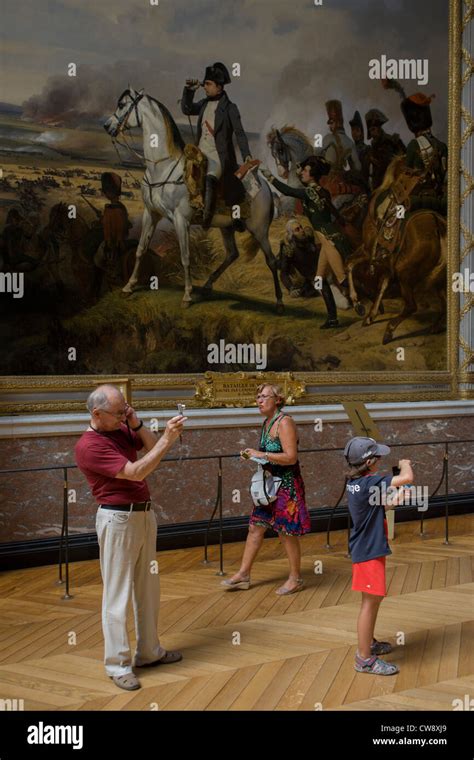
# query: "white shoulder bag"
{"type": "Point", "coordinates": [264, 487]}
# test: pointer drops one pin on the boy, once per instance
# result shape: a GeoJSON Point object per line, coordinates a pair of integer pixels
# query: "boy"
{"type": "Point", "coordinates": [368, 499]}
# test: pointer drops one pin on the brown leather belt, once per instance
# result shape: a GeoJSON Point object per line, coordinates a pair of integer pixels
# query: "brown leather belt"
{"type": "Point", "coordinates": [142, 506]}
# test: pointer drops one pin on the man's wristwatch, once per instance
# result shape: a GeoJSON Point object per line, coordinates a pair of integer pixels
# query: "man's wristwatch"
{"type": "Point", "coordinates": [135, 430]}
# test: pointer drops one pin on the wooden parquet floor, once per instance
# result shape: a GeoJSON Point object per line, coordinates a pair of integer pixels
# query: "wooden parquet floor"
{"type": "Point", "coordinates": [253, 650]}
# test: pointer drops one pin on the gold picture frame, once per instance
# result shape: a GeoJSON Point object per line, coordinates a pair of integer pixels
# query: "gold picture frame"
{"type": "Point", "coordinates": [40, 394]}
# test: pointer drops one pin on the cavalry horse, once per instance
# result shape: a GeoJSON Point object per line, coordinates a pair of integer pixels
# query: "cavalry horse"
{"type": "Point", "coordinates": [165, 193]}
{"type": "Point", "coordinates": [420, 259]}
{"type": "Point", "coordinates": [288, 146]}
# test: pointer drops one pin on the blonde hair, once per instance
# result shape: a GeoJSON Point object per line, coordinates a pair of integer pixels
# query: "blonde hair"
{"type": "Point", "coordinates": [277, 391]}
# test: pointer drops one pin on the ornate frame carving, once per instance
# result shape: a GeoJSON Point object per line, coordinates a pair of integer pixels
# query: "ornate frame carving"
{"type": "Point", "coordinates": [68, 393]}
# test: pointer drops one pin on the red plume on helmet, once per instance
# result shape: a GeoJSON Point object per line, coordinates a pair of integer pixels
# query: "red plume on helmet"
{"type": "Point", "coordinates": [417, 112]}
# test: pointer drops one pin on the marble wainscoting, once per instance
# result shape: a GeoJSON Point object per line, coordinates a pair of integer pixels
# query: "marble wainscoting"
{"type": "Point", "coordinates": [185, 491]}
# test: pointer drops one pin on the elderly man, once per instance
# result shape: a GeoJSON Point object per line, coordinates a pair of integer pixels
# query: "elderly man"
{"type": "Point", "coordinates": [126, 528]}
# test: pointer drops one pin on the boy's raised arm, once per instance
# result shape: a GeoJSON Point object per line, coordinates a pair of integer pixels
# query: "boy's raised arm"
{"type": "Point", "coordinates": [406, 474]}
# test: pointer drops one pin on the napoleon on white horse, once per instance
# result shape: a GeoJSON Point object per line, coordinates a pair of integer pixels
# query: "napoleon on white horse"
{"type": "Point", "coordinates": [165, 193]}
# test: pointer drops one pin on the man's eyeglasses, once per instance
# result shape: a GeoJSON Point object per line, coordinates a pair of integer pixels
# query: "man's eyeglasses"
{"type": "Point", "coordinates": [262, 397]}
{"type": "Point", "coordinates": [117, 415]}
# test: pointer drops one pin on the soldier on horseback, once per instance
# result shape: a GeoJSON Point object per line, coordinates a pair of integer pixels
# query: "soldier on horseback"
{"type": "Point", "coordinates": [383, 148]}
{"type": "Point", "coordinates": [219, 120]}
{"type": "Point", "coordinates": [420, 182]}
{"type": "Point", "coordinates": [425, 154]}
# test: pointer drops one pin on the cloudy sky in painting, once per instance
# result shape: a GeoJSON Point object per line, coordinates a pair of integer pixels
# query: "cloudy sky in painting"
{"type": "Point", "coordinates": [293, 55]}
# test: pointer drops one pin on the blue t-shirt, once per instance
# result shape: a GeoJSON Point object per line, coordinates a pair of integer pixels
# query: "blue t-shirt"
{"type": "Point", "coordinates": [367, 539]}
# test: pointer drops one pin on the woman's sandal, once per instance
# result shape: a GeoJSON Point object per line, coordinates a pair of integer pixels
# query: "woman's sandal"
{"type": "Point", "coordinates": [282, 591]}
{"type": "Point", "coordinates": [128, 681]}
{"type": "Point", "coordinates": [229, 584]}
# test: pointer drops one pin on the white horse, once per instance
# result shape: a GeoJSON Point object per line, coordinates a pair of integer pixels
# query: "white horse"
{"type": "Point", "coordinates": [289, 146]}
{"type": "Point", "coordinates": [166, 195]}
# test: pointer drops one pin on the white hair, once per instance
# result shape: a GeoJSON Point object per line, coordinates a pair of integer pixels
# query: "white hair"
{"type": "Point", "coordinates": [100, 398]}
{"type": "Point", "coordinates": [289, 227]}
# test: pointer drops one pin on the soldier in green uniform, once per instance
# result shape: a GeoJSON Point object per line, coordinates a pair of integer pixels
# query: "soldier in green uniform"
{"type": "Point", "coordinates": [317, 206]}
{"type": "Point", "coordinates": [426, 154]}
{"type": "Point", "coordinates": [383, 148]}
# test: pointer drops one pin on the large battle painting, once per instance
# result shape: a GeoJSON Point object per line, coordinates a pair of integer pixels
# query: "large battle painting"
{"type": "Point", "coordinates": [217, 185]}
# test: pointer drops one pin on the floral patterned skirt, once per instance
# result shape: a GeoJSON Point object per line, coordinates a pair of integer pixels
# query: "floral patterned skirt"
{"type": "Point", "coordinates": [287, 514]}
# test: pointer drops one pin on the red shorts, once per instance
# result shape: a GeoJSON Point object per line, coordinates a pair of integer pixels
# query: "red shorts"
{"type": "Point", "coordinates": [370, 576]}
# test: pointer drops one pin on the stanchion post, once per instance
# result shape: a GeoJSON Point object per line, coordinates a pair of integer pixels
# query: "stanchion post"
{"type": "Point", "coordinates": [328, 533]}
{"type": "Point", "coordinates": [221, 542]}
{"type": "Point", "coordinates": [61, 541]}
{"type": "Point", "coordinates": [446, 492]}
{"type": "Point", "coordinates": [206, 535]}
{"type": "Point", "coordinates": [67, 595]}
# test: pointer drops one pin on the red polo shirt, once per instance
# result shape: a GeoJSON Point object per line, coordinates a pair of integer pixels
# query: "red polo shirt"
{"type": "Point", "coordinates": [100, 456]}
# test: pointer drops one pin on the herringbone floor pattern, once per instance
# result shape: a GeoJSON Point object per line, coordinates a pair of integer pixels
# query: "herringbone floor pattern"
{"type": "Point", "coordinates": [253, 650]}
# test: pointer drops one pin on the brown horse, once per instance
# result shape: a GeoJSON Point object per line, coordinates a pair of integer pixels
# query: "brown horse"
{"type": "Point", "coordinates": [419, 259]}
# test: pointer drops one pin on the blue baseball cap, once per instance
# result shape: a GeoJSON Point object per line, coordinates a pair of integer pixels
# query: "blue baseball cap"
{"type": "Point", "coordinates": [359, 449]}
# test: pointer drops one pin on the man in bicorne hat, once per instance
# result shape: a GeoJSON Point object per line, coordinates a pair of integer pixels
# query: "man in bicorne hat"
{"type": "Point", "coordinates": [357, 131]}
{"type": "Point", "coordinates": [219, 120]}
{"type": "Point", "coordinates": [426, 154]}
{"type": "Point", "coordinates": [383, 148]}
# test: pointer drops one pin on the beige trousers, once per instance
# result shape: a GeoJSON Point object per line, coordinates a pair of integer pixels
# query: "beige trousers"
{"type": "Point", "coordinates": [329, 258]}
{"type": "Point", "coordinates": [127, 542]}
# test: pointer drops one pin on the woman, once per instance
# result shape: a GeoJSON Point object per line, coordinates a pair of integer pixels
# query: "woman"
{"type": "Point", "coordinates": [287, 515]}
{"type": "Point", "coordinates": [319, 209]}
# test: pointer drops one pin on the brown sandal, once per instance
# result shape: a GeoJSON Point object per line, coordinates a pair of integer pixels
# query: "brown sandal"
{"type": "Point", "coordinates": [128, 681]}
{"type": "Point", "coordinates": [168, 658]}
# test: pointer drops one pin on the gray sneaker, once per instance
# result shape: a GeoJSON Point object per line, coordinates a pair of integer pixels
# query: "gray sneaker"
{"type": "Point", "coordinates": [375, 665]}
